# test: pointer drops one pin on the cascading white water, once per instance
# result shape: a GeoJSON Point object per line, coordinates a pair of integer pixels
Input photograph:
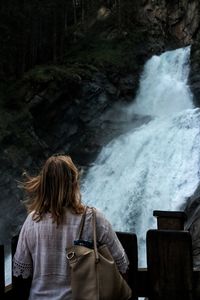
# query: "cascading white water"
{"type": "Point", "coordinates": [163, 87]}
{"type": "Point", "coordinates": [155, 166]}
{"type": "Point", "coordinates": [8, 270]}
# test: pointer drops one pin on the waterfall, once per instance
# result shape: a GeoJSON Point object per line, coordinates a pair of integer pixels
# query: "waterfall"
{"type": "Point", "coordinates": [154, 166]}
{"type": "Point", "coordinates": [163, 87]}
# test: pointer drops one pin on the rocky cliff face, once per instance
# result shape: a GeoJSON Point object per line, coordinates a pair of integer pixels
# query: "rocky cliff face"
{"type": "Point", "coordinates": [177, 21]}
{"type": "Point", "coordinates": [74, 119]}
{"type": "Point", "coordinates": [78, 114]}
{"type": "Point", "coordinates": [195, 70]}
{"type": "Point", "coordinates": [73, 116]}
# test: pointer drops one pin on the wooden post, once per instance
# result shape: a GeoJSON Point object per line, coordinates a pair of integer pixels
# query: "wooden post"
{"type": "Point", "coordinates": [2, 272]}
{"type": "Point", "coordinates": [169, 262]}
{"type": "Point", "coordinates": [172, 220]}
{"type": "Point", "coordinates": [14, 242]}
{"type": "Point", "coordinates": [129, 242]}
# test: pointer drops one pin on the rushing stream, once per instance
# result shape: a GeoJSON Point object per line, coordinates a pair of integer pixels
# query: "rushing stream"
{"type": "Point", "coordinates": [156, 165]}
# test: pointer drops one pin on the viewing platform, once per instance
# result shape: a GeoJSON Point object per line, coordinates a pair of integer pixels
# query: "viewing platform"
{"type": "Point", "coordinates": [169, 274]}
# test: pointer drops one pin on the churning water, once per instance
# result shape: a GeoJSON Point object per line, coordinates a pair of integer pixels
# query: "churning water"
{"type": "Point", "coordinates": [156, 165]}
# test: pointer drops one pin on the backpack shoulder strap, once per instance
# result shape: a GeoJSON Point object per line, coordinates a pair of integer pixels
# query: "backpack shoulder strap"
{"type": "Point", "coordinates": [80, 230]}
{"type": "Point", "coordinates": [94, 223]}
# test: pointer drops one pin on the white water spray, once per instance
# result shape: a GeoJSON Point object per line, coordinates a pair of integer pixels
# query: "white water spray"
{"type": "Point", "coordinates": [163, 86]}
{"type": "Point", "coordinates": [155, 166]}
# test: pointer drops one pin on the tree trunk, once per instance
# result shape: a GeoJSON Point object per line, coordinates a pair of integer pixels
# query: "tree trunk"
{"type": "Point", "coordinates": [119, 16]}
{"type": "Point", "coordinates": [54, 35]}
{"type": "Point", "coordinates": [74, 8]}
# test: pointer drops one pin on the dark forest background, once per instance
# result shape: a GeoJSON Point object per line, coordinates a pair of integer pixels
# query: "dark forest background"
{"type": "Point", "coordinates": [38, 32]}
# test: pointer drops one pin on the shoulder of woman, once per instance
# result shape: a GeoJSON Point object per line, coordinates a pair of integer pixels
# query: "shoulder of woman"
{"type": "Point", "coordinates": [100, 217]}
{"type": "Point", "coordinates": [29, 219]}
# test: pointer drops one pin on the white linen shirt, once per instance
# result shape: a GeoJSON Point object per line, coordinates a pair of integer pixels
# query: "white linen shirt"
{"type": "Point", "coordinates": [41, 252]}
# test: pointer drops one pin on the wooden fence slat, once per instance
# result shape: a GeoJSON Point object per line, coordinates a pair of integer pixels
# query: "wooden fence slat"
{"type": "Point", "coordinates": [129, 242]}
{"type": "Point", "coordinates": [172, 220]}
{"type": "Point", "coordinates": [14, 242]}
{"type": "Point", "coordinates": [2, 272]}
{"type": "Point", "coordinates": [169, 262]}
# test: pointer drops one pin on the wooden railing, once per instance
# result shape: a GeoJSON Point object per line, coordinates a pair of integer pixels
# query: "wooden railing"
{"type": "Point", "coordinates": [169, 274]}
{"type": "Point", "coordinates": [2, 272]}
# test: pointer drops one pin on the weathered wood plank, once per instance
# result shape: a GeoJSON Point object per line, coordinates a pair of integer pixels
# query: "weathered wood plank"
{"type": "Point", "coordinates": [169, 261]}
{"type": "Point", "coordinates": [2, 272]}
{"type": "Point", "coordinates": [142, 283]}
{"type": "Point", "coordinates": [196, 285]}
{"type": "Point", "coordinates": [14, 242]}
{"type": "Point", "coordinates": [172, 220]}
{"type": "Point", "coordinates": [129, 242]}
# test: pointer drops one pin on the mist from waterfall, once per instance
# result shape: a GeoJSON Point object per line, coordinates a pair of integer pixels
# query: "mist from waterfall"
{"type": "Point", "coordinates": [154, 166]}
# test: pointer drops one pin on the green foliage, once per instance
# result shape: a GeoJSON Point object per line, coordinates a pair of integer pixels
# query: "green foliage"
{"type": "Point", "coordinates": [51, 77]}
{"type": "Point", "coordinates": [108, 49]}
{"type": "Point", "coordinates": [40, 75]}
{"type": "Point", "coordinates": [56, 73]}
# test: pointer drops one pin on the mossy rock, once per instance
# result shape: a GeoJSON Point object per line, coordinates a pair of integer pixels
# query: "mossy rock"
{"type": "Point", "coordinates": [40, 78]}
{"type": "Point", "coordinates": [46, 74]}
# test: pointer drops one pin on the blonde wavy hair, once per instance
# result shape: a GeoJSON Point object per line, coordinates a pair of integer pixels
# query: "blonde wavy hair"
{"type": "Point", "coordinates": [54, 189]}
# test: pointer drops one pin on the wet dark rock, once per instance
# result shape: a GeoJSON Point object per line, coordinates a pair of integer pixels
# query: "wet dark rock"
{"type": "Point", "coordinates": [126, 87]}
{"type": "Point", "coordinates": [70, 120]}
{"type": "Point", "coordinates": [176, 22]}
{"type": "Point", "coordinates": [192, 224]}
{"type": "Point", "coordinates": [194, 78]}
